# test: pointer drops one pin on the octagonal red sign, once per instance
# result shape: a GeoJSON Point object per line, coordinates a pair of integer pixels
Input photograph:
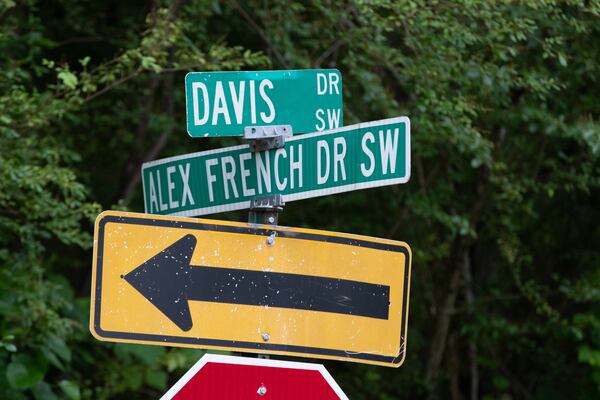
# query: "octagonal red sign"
{"type": "Point", "coordinates": [233, 378]}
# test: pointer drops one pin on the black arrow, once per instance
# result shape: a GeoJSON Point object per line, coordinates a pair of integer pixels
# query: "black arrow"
{"type": "Point", "coordinates": [168, 281]}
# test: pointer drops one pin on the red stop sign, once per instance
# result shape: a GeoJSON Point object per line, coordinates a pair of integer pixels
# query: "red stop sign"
{"type": "Point", "coordinates": [236, 378]}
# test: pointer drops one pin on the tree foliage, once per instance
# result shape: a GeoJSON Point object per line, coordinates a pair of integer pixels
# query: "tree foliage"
{"type": "Point", "coordinates": [501, 210]}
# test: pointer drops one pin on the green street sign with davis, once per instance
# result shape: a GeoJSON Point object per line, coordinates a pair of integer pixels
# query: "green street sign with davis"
{"type": "Point", "coordinates": [224, 103]}
{"type": "Point", "coordinates": [354, 157]}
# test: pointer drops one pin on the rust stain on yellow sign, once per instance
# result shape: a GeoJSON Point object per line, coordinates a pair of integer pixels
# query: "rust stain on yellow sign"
{"type": "Point", "coordinates": [306, 294]}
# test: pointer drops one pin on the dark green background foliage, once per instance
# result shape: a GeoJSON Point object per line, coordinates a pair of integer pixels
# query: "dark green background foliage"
{"type": "Point", "coordinates": [502, 210]}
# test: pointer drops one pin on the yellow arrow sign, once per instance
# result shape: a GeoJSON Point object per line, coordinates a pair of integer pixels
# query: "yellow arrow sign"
{"type": "Point", "coordinates": [255, 288]}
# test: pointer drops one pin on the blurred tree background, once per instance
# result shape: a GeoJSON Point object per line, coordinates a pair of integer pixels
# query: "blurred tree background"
{"type": "Point", "coordinates": [502, 210]}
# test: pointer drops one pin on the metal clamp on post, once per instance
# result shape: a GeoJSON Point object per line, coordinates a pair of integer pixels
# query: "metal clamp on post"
{"type": "Point", "coordinates": [267, 137]}
{"type": "Point", "coordinates": [264, 210]}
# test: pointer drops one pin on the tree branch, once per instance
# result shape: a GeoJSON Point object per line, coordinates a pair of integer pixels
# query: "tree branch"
{"type": "Point", "coordinates": [113, 85]}
{"type": "Point", "coordinates": [132, 173]}
{"type": "Point", "coordinates": [469, 298]}
{"type": "Point", "coordinates": [461, 249]}
{"type": "Point", "coordinates": [260, 32]}
{"type": "Point", "coordinates": [333, 48]}
{"type": "Point", "coordinates": [454, 367]}
{"type": "Point", "coordinates": [135, 158]}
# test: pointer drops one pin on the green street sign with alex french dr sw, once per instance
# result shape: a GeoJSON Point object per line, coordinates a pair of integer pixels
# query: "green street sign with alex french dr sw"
{"type": "Point", "coordinates": [224, 103]}
{"type": "Point", "coordinates": [316, 164]}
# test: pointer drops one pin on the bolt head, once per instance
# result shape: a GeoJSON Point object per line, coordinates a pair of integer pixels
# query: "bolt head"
{"type": "Point", "coordinates": [262, 390]}
{"type": "Point", "coordinates": [271, 220]}
{"type": "Point", "coordinates": [266, 336]}
{"type": "Point", "coordinates": [270, 240]}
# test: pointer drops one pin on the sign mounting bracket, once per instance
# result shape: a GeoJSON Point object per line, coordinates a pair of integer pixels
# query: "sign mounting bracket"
{"type": "Point", "coordinates": [263, 138]}
{"type": "Point", "coordinates": [265, 210]}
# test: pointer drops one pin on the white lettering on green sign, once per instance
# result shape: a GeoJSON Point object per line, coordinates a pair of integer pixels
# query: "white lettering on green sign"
{"type": "Point", "coordinates": [224, 103]}
{"type": "Point", "coordinates": [350, 158]}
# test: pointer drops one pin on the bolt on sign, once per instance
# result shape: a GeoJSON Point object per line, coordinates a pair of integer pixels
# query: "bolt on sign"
{"type": "Point", "coordinates": [217, 377]}
{"type": "Point", "coordinates": [350, 158]}
{"type": "Point", "coordinates": [224, 103]}
{"type": "Point", "coordinates": [242, 287]}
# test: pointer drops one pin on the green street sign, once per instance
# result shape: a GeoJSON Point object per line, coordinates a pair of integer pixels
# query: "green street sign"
{"type": "Point", "coordinates": [224, 103]}
{"type": "Point", "coordinates": [316, 164]}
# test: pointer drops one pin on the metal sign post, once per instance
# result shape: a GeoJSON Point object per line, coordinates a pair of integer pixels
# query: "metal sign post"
{"type": "Point", "coordinates": [265, 210]}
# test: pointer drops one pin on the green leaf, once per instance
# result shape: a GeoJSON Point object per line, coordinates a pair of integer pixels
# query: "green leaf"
{"type": "Point", "coordinates": [25, 371]}
{"type": "Point", "coordinates": [590, 356]}
{"type": "Point", "coordinates": [157, 379]}
{"type": "Point", "coordinates": [70, 388]}
{"type": "Point", "coordinates": [84, 61]}
{"type": "Point", "coordinates": [147, 354]}
{"type": "Point", "coordinates": [52, 358]}
{"type": "Point", "coordinates": [68, 79]}
{"type": "Point", "coordinates": [500, 382]}
{"type": "Point", "coordinates": [6, 4]}
{"type": "Point", "coordinates": [60, 348]}
{"type": "Point", "coordinates": [10, 347]}
{"type": "Point", "coordinates": [562, 60]}
{"type": "Point", "coordinates": [48, 63]}
{"type": "Point", "coordinates": [134, 379]}
{"type": "Point", "coordinates": [42, 391]}
{"type": "Point", "coordinates": [150, 63]}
